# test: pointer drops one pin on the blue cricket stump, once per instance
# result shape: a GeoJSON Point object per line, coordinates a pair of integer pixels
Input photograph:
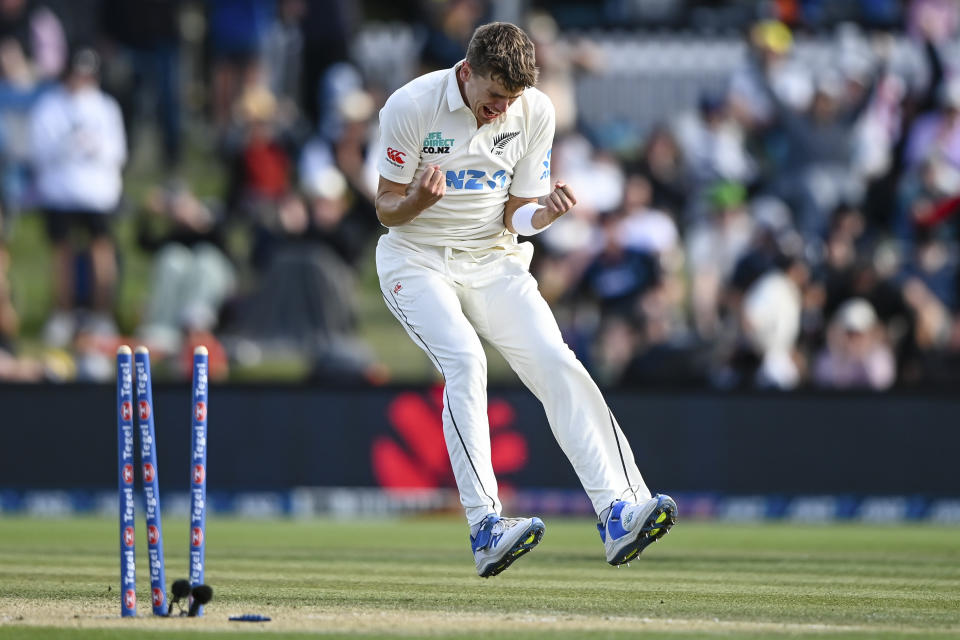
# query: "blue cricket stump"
{"type": "Point", "coordinates": [198, 469]}
{"type": "Point", "coordinates": [151, 480]}
{"type": "Point", "coordinates": [125, 463]}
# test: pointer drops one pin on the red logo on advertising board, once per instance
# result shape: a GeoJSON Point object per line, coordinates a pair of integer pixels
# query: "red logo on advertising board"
{"type": "Point", "coordinates": [157, 597]}
{"type": "Point", "coordinates": [198, 474]}
{"type": "Point", "coordinates": [144, 410]}
{"type": "Point", "coordinates": [196, 537]}
{"type": "Point", "coordinates": [128, 474]}
{"type": "Point", "coordinates": [130, 599]}
{"type": "Point", "coordinates": [128, 537]}
{"type": "Point", "coordinates": [200, 411]}
{"type": "Point", "coordinates": [148, 472]}
{"type": "Point", "coordinates": [126, 411]}
{"type": "Point", "coordinates": [415, 456]}
{"type": "Point", "coordinates": [153, 534]}
{"type": "Point", "coordinates": [396, 155]}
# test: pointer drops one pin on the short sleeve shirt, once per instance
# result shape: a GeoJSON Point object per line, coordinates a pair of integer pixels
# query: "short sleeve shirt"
{"type": "Point", "coordinates": [427, 122]}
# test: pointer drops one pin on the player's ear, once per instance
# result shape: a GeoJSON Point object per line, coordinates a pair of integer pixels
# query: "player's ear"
{"type": "Point", "coordinates": [465, 71]}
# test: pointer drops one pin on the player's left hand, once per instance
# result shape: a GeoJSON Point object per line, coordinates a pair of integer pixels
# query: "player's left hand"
{"type": "Point", "coordinates": [558, 201]}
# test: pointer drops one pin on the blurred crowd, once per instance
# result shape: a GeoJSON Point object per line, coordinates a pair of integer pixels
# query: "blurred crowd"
{"type": "Point", "coordinates": [793, 229]}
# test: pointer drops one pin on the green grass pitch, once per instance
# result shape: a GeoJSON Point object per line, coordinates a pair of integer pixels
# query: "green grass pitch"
{"type": "Point", "coordinates": [415, 578]}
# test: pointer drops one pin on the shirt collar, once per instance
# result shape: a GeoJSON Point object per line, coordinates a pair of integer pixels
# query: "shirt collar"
{"type": "Point", "coordinates": [454, 99]}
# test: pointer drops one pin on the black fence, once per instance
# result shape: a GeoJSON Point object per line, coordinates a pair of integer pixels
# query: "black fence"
{"type": "Point", "coordinates": [275, 438]}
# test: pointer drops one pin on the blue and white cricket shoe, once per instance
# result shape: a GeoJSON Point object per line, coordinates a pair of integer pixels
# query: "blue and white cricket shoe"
{"type": "Point", "coordinates": [500, 541]}
{"type": "Point", "coordinates": [631, 527]}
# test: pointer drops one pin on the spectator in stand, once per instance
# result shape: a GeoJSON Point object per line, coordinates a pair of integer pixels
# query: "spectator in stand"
{"type": "Point", "coordinates": [845, 246]}
{"type": "Point", "coordinates": [713, 147]}
{"type": "Point", "coordinates": [771, 315]}
{"type": "Point", "coordinates": [559, 63]}
{"type": "Point", "coordinates": [928, 282]}
{"type": "Point", "coordinates": [305, 302]}
{"type": "Point", "coordinates": [39, 32]}
{"type": "Point", "coordinates": [348, 129]}
{"type": "Point", "coordinates": [33, 51]}
{"type": "Point", "coordinates": [654, 232]}
{"type": "Point", "coordinates": [763, 300]}
{"type": "Point", "coordinates": [661, 161]}
{"type": "Point", "coordinates": [856, 355]}
{"type": "Point", "coordinates": [769, 64]}
{"type": "Point", "coordinates": [450, 23]}
{"type": "Point", "coordinates": [644, 227]}
{"type": "Point", "coordinates": [283, 54]}
{"type": "Point", "coordinates": [713, 249]}
{"type": "Point", "coordinates": [345, 151]}
{"type": "Point", "coordinates": [898, 122]}
{"type": "Point", "coordinates": [937, 134]}
{"type": "Point", "coordinates": [237, 32]}
{"type": "Point", "coordinates": [328, 29]}
{"type": "Point", "coordinates": [662, 356]}
{"type": "Point", "coordinates": [79, 149]}
{"type": "Point", "coordinates": [20, 88]}
{"type": "Point", "coordinates": [12, 367]}
{"type": "Point", "coordinates": [144, 38]}
{"type": "Point", "coordinates": [937, 18]}
{"type": "Point", "coordinates": [941, 368]}
{"type": "Point", "coordinates": [817, 174]}
{"type": "Point", "coordinates": [261, 151]}
{"type": "Point", "coordinates": [618, 276]}
{"type": "Point", "coordinates": [192, 275]}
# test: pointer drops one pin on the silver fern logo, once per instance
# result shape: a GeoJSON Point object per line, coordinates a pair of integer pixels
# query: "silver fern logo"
{"type": "Point", "coordinates": [501, 141]}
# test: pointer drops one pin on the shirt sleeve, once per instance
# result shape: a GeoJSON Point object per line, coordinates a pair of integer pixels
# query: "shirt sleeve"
{"type": "Point", "coordinates": [398, 154]}
{"type": "Point", "coordinates": [114, 144]}
{"type": "Point", "coordinates": [47, 129]}
{"type": "Point", "coordinates": [531, 176]}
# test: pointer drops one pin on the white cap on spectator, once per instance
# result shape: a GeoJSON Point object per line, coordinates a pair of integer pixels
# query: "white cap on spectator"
{"type": "Point", "coordinates": [327, 183]}
{"type": "Point", "coordinates": [355, 106]}
{"type": "Point", "coordinates": [856, 315]}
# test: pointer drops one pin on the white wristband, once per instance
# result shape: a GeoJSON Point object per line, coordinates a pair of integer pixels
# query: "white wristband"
{"type": "Point", "coordinates": [523, 219]}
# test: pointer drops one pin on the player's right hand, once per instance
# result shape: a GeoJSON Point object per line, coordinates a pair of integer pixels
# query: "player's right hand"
{"type": "Point", "coordinates": [429, 188]}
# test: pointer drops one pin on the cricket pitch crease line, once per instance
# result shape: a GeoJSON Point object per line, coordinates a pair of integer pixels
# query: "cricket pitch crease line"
{"type": "Point", "coordinates": [25, 613]}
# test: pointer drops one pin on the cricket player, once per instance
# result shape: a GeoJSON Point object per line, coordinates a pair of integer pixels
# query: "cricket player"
{"type": "Point", "coordinates": [464, 163]}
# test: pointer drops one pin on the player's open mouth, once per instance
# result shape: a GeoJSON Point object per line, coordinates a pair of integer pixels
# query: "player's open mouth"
{"type": "Point", "coordinates": [488, 113]}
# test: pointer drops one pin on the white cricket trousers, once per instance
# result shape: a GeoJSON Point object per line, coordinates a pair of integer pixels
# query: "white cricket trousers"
{"type": "Point", "coordinates": [447, 299]}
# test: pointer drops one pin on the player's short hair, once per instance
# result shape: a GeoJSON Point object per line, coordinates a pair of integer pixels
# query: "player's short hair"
{"type": "Point", "coordinates": [503, 52]}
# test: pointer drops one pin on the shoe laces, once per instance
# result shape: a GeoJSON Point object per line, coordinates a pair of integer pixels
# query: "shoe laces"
{"type": "Point", "coordinates": [507, 523]}
{"type": "Point", "coordinates": [492, 528]}
{"type": "Point", "coordinates": [625, 496]}
{"type": "Point", "coordinates": [632, 490]}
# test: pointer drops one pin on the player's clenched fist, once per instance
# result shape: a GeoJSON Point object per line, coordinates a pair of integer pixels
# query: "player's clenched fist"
{"type": "Point", "coordinates": [558, 201]}
{"type": "Point", "coordinates": [429, 188]}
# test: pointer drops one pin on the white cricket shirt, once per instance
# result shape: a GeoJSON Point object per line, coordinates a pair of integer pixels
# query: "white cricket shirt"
{"type": "Point", "coordinates": [427, 122]}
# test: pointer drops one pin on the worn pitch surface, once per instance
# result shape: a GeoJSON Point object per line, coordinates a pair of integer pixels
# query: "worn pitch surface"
{"type": "Point", "coordinates": [415, 578]}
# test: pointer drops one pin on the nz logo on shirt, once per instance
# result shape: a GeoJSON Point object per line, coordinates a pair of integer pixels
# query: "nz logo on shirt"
{"type": "Point", "coordinates": [501, 141]}
{"type": "Point", "coordinates": [475, 180]}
